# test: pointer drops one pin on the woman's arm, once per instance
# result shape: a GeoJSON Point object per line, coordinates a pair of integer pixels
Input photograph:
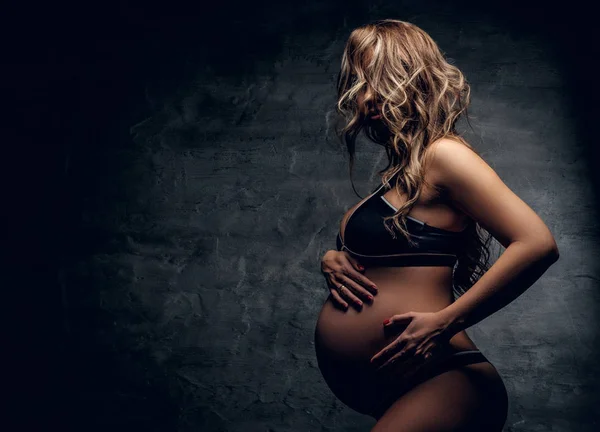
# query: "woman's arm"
{"type": "Point", "coordinates": [474, 188]}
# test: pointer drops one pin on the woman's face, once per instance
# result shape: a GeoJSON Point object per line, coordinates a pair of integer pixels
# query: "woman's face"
{"type": "Point", "coordinates": [366, 102]}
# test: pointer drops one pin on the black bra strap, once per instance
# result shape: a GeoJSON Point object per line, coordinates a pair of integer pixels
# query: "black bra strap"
{"type": "Point", "coordinates": [418, 260]}
{"type": "Point", "coordinates": [400, 260]}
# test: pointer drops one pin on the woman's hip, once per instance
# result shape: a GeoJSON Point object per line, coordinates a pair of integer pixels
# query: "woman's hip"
{"type": "Point", "coordinates": [469, 367]}
{"type": "Point", "coordinates": [356, 383]}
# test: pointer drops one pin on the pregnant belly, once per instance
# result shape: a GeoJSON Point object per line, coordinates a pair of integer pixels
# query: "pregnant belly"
{"type": "Point", "coordinates": [345, 341]}
{"type": "Point", "coordinates": [358, 334]}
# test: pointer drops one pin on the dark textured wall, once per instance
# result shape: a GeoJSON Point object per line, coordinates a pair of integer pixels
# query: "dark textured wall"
{"type": "Point", "coordinates": [183, 181]}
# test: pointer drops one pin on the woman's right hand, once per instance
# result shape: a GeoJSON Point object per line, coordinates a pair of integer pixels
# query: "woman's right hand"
{"type": "Point", "coordinates": [345, 281]}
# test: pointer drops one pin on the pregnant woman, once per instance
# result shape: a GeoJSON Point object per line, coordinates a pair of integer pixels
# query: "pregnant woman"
{"type": "Point", "coordinates": [390, 339]}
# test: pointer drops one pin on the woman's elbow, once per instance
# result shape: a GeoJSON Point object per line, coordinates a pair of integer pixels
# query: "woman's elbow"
{"type": "Point", "coordinates": [544, 248]}
{"type": "Point", "coordinates": [550, 249]}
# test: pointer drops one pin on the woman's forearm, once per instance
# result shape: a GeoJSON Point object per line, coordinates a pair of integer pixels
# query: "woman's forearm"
{"type": "Point", "coordinates": [519, 266]}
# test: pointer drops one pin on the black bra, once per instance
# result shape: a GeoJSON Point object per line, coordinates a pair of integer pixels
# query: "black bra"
{"type": "Point", "coordinates": [371, 244]}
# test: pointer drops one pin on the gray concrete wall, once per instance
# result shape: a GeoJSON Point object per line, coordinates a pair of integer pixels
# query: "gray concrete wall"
{"type": "Point", "coordinates": [200, 200]}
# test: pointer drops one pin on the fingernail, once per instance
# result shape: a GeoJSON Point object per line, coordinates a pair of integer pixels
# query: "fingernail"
{"type": "Point", "coordinates": [386, 322]}
{"type": "Point", "coordinates": [361, 268]}
{"type": "Point", "coordinates": [359, 303]}
{"type": "Point", "coordinates": [370, 297]}
{"type": "Point", "coordinates": [374, 287]}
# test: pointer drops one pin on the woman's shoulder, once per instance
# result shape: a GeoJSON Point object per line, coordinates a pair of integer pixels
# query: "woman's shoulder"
{"type": "Point", "coordinates": [447, 155]}
{"type": "Point", "coordinates": [447, 145]}
{"type": "Point", "coordinates": [449, 148]}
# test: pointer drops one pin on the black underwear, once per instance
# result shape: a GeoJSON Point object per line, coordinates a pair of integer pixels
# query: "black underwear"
{"type": "Point", "coordinates": [397, 389]}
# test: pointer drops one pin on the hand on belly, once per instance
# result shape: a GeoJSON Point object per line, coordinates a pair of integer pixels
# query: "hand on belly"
{"type": "Point", "coordinates": [347, 284]}
{"type": "Point", "coordinates": [421, 334]}
{"type": "Point", "coordinates": [359, 335]}
{"type": "Point", "coordinates": [346, 342]}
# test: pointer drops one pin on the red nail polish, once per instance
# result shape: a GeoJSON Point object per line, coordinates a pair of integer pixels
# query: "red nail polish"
{"type": "Point", "coordinates": [386, 322]}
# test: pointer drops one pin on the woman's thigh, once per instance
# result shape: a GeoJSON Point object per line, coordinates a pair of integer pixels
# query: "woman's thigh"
{"type": "Point", "coordinates": [470, 398]}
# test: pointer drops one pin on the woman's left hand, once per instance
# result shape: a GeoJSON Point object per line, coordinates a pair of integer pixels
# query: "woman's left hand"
{"type": "Point", "coordinates": [424, 333]}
